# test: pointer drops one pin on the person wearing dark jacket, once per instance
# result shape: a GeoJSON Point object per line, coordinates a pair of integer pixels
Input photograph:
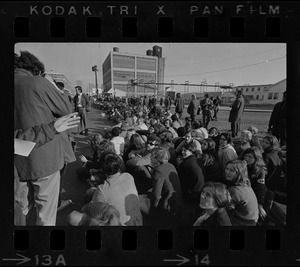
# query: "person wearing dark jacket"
{"type": "Point", "coordinates": [179, 105]}
{"type": "Point", "coordinates": [190, 173]}
{"type": "Point", "coordinates": [236, 112]}
{"type": "Point", "coordinates": [81, 103]}
{"type": "Point", "coordinates": [193, 107]}
{"type": "Point", "coordinates": [166, 200]}
{"type": "Point", "coordinates": [277, 123]}
{"type": "Point", "coordinates": [214, 199]}
{"type": "Point", "coordinates": [270, 144]}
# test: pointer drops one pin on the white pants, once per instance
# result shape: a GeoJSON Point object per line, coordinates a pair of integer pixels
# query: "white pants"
{"type": "Point", "coordinates": [46, 193]}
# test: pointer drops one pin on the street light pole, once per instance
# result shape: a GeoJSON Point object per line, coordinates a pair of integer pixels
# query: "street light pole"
{"type": "Point", "coordinates": [94, 68]}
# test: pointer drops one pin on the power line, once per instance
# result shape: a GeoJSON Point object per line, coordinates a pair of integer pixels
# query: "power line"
{"type": "Point", "coordinates": [239, 67]}
{"type": "Point", "coordinates": [231, 58]}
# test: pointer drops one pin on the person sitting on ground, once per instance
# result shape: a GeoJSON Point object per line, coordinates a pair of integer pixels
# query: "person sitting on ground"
{"type": "Point", "coordinates": [124, 128]}
{"type": "Point", "coordinates": [96, 214]}
{"type": "Point", "coordinates": [257, 171]}
{"type": "Point", "coordinates": [243, 210]}
{"type": "Point", "coordinates": [190, 173]}
{"type": "Point", "coordinates": [214, 199]}
{"type": "Point", "coordinates": [226, 151]}
{"type": "Point", "coordinates": [119, 190]}
{"type": "Point", "coordinates": [199, 132]}
{"type": "Point", "coordinates": [189, 139]}
{"type": "Point", "coordinates": [136, 143]}
{"type": "Point", "coordinates": [166, 138]}
{"type": "Point", "coordinates": [274, 180]}
{"type": "Point", "coordinates": [209, 161]}
{"type": "Point", "coordinates": [245, 139]}
{"type": "Point", "coordinates": [159, 127]}
{"type": "Point", "coordinates": [214, 134]}
{"type": "Point", "coordinates": [188, 126]}
{"type": "Point", "coordinates": [168, 115]}
{"type": "Point", "coordinates": [118, 141]}
{"type": "Point", "coordinates": [255, 141]}
{"type": "Point", "coordinates": [166, 202]}
{"type": "Point", "coordinates": [176, 122]}
{"type": "Point", "coordinates": [88, 162]}
{"type": "Point", "coordinates": [167, 124]}
{"type": "Point", "coordinates": [140, 125]}
{"type": "Point", "coordinates": [181, 136]}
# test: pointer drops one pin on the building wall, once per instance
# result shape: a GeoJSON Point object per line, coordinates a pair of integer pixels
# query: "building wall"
{"type": "Point", "coordinates": [272, 95]}
{"type": "Point", "coordinates": [119, 68]}
{"type": "Point", "coordinates": [61, 77]}
{"type": "Point", "coordinates": [264, 93]}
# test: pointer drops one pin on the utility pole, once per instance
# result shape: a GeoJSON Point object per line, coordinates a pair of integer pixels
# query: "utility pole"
{"type": "Point", "coordinates": [94, 68]}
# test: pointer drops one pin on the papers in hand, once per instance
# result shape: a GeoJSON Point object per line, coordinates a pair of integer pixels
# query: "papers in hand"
{"type": "Point", "coordinates": [23, 148]}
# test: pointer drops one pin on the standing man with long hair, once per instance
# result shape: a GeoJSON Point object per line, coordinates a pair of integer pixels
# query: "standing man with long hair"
{"type": "Point", "coordinates": [37, 101]}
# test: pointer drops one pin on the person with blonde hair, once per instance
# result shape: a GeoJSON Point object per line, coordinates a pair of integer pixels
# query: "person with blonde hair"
{"type": "Point", "coordinates": [257, 171]}
{"type": "Point", "coordinates": [245, 139]}
{"type": "Point", "coordinates": [100, 214]}
{"type": "Point", "coordinates": [255, 141]}
{"type": "Point", "coordinates": [244, 206]}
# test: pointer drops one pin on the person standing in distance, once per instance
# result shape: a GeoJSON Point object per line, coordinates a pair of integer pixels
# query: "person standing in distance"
{"type": "Point", "coordinates": [236, 113]}
{"type": "Point", "coordinates": [193, 107]}
{"type": "Point", "coordinates": [81, 101]}
{"type": "Point", "coordinates": [179, 105]}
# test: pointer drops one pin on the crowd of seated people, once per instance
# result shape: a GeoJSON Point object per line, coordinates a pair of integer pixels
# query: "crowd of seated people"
{"type": "Point", "coordinates": [156, 169]}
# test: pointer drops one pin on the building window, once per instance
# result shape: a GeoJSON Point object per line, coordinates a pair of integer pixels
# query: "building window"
{"type": "Point", "coordinates": [270, 96]}
{"type": "Point", "coordinates": [146, 76]}
{"type": "Point", "coordinates": [123, 75]}
{"type": "Point", "coordinates": [257, 97]}
{"type": "Point", "coordinates": [120, 61]}
{"type": "Point", "coordinates": [252, 90]}
{"type": "Point", "coordinates": [262, 97]}
{"type": "Point", "coordinates": [146, 63]}
{"type": "Point", "coordinates": [275, 97]}
{"type": "Point", "coordinates": [258, 89]}
{"type": "Point", "coordinates": [247, 89]}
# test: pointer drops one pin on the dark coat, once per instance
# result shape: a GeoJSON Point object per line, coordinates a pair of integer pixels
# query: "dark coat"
{"type": "Point", "coordinates": [237, 109]}
{"type": "Point", "coordinates": [190, 175]}
{"type": "Point", "coordinates": [219, 218]}
{"type": "Point", "coordinates": [84, 101]}
{"type": "Point", "coordinates": [193, 107]}
{"type": "Point", "coordinates": [179, 103]}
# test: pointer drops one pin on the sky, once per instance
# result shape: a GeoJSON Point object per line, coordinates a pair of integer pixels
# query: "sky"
{"type": "Point", "coordinates": [236, 63]}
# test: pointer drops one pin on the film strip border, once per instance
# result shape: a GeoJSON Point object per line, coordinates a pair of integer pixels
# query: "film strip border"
{"type": "Point", "coordinates": [114, 245]}
{"type": "Point", "coordinates": [163, 21]}
{"type": "Point", "coordinates": [190, 21]}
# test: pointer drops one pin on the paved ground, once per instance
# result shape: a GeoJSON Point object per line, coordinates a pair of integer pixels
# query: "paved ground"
{"type": "Point", "coordinates": [75, 189]}
{"type": "Point", "coordinates": [72, 187]}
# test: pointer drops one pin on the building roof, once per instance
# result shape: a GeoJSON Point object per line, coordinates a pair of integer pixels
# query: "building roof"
{"type": "Point", "coordinates": [273, 86]}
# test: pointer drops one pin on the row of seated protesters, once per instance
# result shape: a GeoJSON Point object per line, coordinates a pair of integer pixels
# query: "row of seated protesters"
{"type": "Point", "coordinates": [194, 178]}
